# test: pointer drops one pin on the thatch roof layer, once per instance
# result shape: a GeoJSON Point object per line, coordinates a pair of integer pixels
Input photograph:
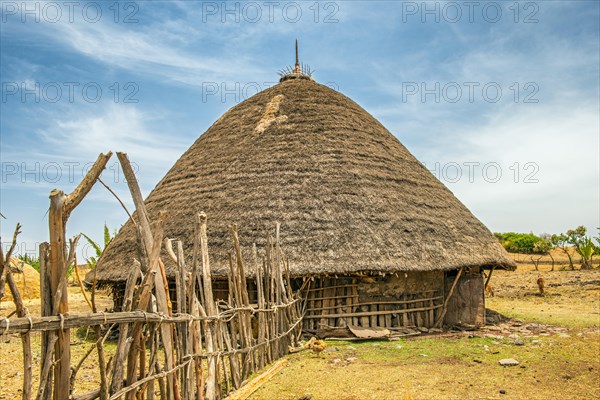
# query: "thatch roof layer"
{"type": "Point", "coordinates": [349, 196]}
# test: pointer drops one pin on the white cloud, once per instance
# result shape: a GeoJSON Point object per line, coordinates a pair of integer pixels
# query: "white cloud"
{"type": "Point", "coordinates": [79, 136]}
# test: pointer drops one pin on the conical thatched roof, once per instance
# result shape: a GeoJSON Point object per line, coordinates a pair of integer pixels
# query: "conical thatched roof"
{"type": "Point", "coordinates": [349, 196]}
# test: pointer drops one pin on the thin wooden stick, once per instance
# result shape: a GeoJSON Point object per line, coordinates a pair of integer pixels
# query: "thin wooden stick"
{"type": "Point", "coordinates": [78, 366]}
{"type": "Point", "coordinates": [147, 379]}
{"type": "Point", "coordinates": [118, 199]}
{"type": "Point", "coordinates": [372, 313]}
{"type": "Point", "coordinates": [145, 298]}
{"type": "Point", "coordinates": [245, 391]}
{"type": "Point", "coordinates": [85, 296]}
{"type": "Point", "coordinates": [117, 376]}
{"type": "Point", "coordinates": [47, 348]}
{"type": "Point", "coordinates": [379, 303]}
{"type": "Point", "coordinates": [138, 200]}
{"type": "Point", "coordinates": [102, 363]}
{"type": "Point", "coordinates": [44, 390]}
{"type": "Point", "coordinates": [211, 310]}
{"type": "Point", "coordinates": [25, 337]}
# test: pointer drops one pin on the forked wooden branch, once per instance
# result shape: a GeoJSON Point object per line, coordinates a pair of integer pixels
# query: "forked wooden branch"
{"type": "Point", "coordinates": [61, 206]}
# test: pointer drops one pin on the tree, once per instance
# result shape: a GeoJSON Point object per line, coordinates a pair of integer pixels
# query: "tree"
{"type": "Point", "coordinates": [561, 241]}
{"type": "Point", "coordinates": [584, 246]}
{"type": "Point", "coordinates": [586, 250]}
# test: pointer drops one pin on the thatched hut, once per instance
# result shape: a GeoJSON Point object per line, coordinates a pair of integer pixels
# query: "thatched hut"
{"type": "Point", "coordinates": [380, 239]}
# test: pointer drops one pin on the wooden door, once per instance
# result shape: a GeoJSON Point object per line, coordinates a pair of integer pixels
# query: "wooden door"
{"type": "Point", "coordinates": [467, 304]}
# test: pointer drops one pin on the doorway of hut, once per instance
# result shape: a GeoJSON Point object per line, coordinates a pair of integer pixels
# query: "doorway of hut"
{"type": "Point", "coordinates": [466, 305]}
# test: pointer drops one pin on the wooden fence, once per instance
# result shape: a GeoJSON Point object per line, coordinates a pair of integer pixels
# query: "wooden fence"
{"type": "Point", "coordinates": [202, 349]}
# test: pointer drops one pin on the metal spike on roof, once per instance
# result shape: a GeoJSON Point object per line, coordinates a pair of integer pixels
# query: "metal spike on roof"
{"type": "Point", "coordinates": [297, 68]}
{"type": "Point", "coordinates": [298, 71]}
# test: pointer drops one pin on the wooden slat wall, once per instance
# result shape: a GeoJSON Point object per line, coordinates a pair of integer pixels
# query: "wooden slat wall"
{"type": "Point", "coordinates": [335, 302]}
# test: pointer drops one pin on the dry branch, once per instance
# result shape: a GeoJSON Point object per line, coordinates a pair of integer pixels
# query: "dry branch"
{"type": "Point", "coordinates": [25, 337]}
{"type": "Point", "coordinates": [5, 261]}
{"type": "Point", "coordinates": [118, 199]}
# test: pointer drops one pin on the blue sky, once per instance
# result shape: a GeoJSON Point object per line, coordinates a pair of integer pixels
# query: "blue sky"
{"type": "Point", "coordinates": [499, 99]}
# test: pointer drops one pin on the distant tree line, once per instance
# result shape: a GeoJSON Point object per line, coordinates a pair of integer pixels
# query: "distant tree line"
{"type": "Point", "coordinates": [538, 246]}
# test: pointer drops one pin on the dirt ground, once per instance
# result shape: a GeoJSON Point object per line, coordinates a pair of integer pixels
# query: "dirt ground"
{"type": "Point", "coordinates": [11, 357]}
{"type": "Point", "coordinates": [555, 337]}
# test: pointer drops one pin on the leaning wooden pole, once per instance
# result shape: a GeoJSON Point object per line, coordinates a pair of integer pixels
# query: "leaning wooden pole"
{"type": "Point", "coordinates": [161, 289]}
{"type": "Point", "coordinates": [487, 281]}
{"type": "Point", "coordinates": [61, 206]}
{"type": "Point", "coordinates": [4, 266]}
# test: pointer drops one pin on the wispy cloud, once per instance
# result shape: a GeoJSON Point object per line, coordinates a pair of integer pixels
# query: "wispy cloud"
{"type": "Point", "coordinates": [66, 144]}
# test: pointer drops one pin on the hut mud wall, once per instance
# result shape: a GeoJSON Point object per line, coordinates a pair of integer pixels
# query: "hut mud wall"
{"type": "Point", "coordinates": [408, 299]}
{"type": "Point", "coordinates": [411, 299]}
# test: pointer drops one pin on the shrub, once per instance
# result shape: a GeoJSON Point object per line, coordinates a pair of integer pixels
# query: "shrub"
{"type": "Point", "coordinates": [521, 242]}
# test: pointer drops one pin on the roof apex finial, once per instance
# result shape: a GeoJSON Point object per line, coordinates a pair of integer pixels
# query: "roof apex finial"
{"type": "Point", "coordinates": [298, 71]}
{"type": "Point", "coordinates": [297, 68]}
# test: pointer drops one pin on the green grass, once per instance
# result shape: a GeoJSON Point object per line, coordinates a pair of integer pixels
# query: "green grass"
{"type": "Point", "coordinates": [436, 368]}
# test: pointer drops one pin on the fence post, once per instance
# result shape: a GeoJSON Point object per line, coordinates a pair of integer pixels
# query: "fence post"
{"type": "Point", "coordinates": [211, 310]}
{"type": "Point", "coordinates": [62, 352]}
{"type": "Point", "coordinates": [46, 311]}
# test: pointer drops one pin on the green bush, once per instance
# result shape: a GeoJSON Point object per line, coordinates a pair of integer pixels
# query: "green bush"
{"type": "Point", "coordinates": [520, 242]}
